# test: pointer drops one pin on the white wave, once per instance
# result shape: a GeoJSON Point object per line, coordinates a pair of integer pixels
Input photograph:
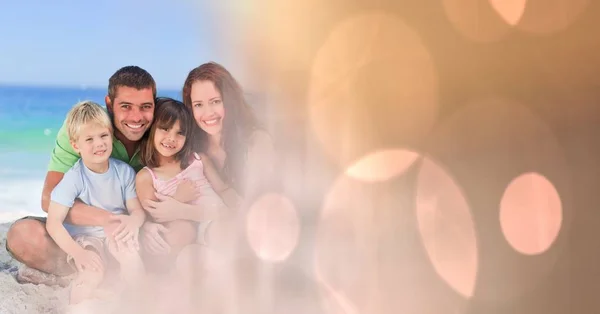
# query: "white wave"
{"type": "Point", "coordinates": [20, 197]}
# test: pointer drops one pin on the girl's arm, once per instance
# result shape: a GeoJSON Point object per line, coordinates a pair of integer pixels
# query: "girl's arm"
{"type": "Point", "coordinates": [169, 209]}
{"type": "Point", "coordinates": [144, 187]}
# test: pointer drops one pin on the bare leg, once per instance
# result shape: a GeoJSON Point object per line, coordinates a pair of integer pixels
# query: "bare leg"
{"type": "Point", "coordinates": [181, 233]}
{"type": "Point", "coordinates": [84, 286]}
{"type": "Point", "coordinates": [208, 271]}
{"type": "Point", "coordinates": [30, 244]}
{"type": "Point", "coordinates": [132, 268]}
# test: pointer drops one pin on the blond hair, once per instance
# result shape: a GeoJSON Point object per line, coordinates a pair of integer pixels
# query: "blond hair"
{"type": "Point", "coordinates": [83, 113]}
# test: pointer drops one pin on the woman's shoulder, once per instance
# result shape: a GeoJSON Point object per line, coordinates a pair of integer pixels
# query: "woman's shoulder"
{"type": "Point", "coordinates": [260, 146]}
{"type": "Point", "coordinates": [260, 138]}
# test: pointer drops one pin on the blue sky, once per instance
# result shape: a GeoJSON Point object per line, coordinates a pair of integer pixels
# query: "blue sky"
{"type": "Point", "coordinates": [73, 43]}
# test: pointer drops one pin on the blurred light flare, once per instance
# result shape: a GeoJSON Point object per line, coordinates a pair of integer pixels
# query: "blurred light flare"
{"type": "Point", "coordinates": [372, 82]}
{"type": "Point", "coordinates": [447, 228]}
{"type": "Point", "coordinates": [511, 11]}
{"type": "Point", "coordinates": [531, 214]}
{"type": "Point", "coordinates": [273, 227]}
{"type": "Point", "coordinates": [382, 165]}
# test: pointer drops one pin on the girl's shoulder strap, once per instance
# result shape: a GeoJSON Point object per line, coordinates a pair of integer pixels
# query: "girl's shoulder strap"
{"type": "Point", "coordinates": [196, 156]}
{"type": "Point", "coordinates": [151, 173]}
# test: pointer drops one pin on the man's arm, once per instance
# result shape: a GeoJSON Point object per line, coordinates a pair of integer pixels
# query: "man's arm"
{"type": "Point", "coordinates": [80, 214]}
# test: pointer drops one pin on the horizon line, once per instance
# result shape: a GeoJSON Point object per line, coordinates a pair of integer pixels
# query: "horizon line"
{"type": "Point", "coordinates": [72, 86]}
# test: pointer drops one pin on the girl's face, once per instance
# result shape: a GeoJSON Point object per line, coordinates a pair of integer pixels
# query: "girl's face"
{"type": "Point", "coordinates": [169, 142]}
{"type": "Point", "coordinates": [207, 106]}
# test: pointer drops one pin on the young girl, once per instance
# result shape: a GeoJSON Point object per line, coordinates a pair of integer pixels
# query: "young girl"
{"type": "Point", "coordinates": [173, 170]}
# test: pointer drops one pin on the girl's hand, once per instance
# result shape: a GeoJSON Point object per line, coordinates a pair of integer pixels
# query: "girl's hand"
{"type": "Point", "coordinates": [154, 243]}
{"type": "Point", "coordinates": [165, 210]}
{"type": "Point", "coordinates": [186, 191]}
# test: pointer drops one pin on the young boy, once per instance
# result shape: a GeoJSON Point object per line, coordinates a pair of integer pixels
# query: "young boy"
{"type": "Point", "coordinates": [103, 182]}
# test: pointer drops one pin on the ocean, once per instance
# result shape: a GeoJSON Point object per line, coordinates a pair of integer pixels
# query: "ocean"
{"type": "Point", "coordinates": [30, 116]}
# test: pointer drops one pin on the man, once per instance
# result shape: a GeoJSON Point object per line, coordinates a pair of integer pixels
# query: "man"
{"type": "Point", "coordinates": [130, 104]}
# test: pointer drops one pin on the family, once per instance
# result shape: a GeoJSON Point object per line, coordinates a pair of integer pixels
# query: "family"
{"type": "Point", "coordinates": [147, 183]}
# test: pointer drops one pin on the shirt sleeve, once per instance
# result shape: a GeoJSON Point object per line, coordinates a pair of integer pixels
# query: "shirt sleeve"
{"type": "Point", "coordinates": [68, 189]}
{"type": "Point", "coordinates": [128, 182]}
{"type": "Point", "coordinates": [63, 156]}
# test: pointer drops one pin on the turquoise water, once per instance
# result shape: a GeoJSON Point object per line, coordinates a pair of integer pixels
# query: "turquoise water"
{"type": "Point", "coordinates": [29, 119]}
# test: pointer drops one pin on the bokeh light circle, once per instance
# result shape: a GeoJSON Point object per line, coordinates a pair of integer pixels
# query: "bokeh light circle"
{"type": "Point", "coordinates": [530, 214]}
{"type": "Point", "coordinates": [382, 165]}
{"type": "Point", "coordinates": [447, 228]}
{"type": "Point", "coordinates": [372, 85]}
{"type": "Point", "coordinates": [273, 227]}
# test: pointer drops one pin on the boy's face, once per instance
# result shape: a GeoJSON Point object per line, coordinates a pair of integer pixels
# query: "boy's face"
{"type": "Point", "coordinates": [133, 111]}
{"type": "Point", "coordinates": [94, 143]}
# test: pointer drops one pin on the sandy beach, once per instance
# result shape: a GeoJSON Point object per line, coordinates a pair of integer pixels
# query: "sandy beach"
{"type": "Point", "coordinates": [25, 298]}
{"type": "Point", "coordinates": [154, 295]}
{"type": "Point", "coordinates": [29, 298]}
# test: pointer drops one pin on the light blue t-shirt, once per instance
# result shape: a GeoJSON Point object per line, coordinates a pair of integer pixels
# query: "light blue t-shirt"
{"type": "Point", "coordinates": [109, 191]}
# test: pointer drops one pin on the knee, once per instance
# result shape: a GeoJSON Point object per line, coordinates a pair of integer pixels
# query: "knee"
{"type": "Point", "coordinates": [92, 278]}
{"type": "Point", "coordinates": [222, 233]}
{"type": "Point", "coordinates": [192, 259]}
{"type": "Point", "coordinates": [125, 256]}
{"type": "Point", "coordinates": [181, 233]}
{"type": "Point", "coordinates": [25, 236]}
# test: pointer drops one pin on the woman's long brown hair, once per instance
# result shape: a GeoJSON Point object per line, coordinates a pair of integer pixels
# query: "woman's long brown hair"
{"type": "Point", "coordinates": [239, 122]}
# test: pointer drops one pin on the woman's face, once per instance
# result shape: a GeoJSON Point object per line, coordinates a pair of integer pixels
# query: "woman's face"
{"type": "Point", "coordinates": [207, 106]}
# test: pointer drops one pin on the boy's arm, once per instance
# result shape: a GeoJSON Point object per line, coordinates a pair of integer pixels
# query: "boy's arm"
{"type": "Point", "coordinates": [136, 211]}
{"type": "Point", "coordinates": [54, 225]}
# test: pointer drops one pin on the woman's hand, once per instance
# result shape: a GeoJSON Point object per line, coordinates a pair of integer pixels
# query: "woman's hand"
{"type": "Point", "coordinates": [152, 241]}
{"type": "Point", "coordinates": [165, 209]}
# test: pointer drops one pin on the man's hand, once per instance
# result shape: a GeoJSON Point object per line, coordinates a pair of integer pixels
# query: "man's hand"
{"type": "Point", "coordinates": [124, 230]}
{"type": "Point", "coordinates": [152, 241]}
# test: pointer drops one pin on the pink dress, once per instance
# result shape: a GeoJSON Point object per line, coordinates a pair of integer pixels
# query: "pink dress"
{"type": "Point", "coordinates": [195, 173]}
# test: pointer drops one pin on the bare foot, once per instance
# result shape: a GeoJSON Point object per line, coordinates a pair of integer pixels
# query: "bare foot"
{"type": "Point", "coordinates": [27, 274]}
{"type": "Point", "coordinates": [84, 286]}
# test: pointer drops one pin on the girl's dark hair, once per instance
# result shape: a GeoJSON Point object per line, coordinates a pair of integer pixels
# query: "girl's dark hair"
{"type": "Point", "coordinates": [167, 112]}
{"type": "Point", "coordinates": [239, 122]}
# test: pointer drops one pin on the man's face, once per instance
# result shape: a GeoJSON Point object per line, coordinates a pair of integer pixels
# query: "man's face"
{"type": "Point", "coordinates": [133, 111]}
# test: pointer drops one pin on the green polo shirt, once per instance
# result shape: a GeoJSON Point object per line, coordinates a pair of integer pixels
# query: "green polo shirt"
{"type": "Point", "coordinates": [64, 157]}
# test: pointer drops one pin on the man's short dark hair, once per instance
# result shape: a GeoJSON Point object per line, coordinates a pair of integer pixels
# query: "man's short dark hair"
{"type": "Point", "coordinates": [130, 76]}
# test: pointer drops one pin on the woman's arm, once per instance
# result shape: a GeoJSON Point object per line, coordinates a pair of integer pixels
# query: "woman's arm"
{"type": "Point", "coordinates": [259, 171]}
{"type": "Point", "coordinates": [229, 196]}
